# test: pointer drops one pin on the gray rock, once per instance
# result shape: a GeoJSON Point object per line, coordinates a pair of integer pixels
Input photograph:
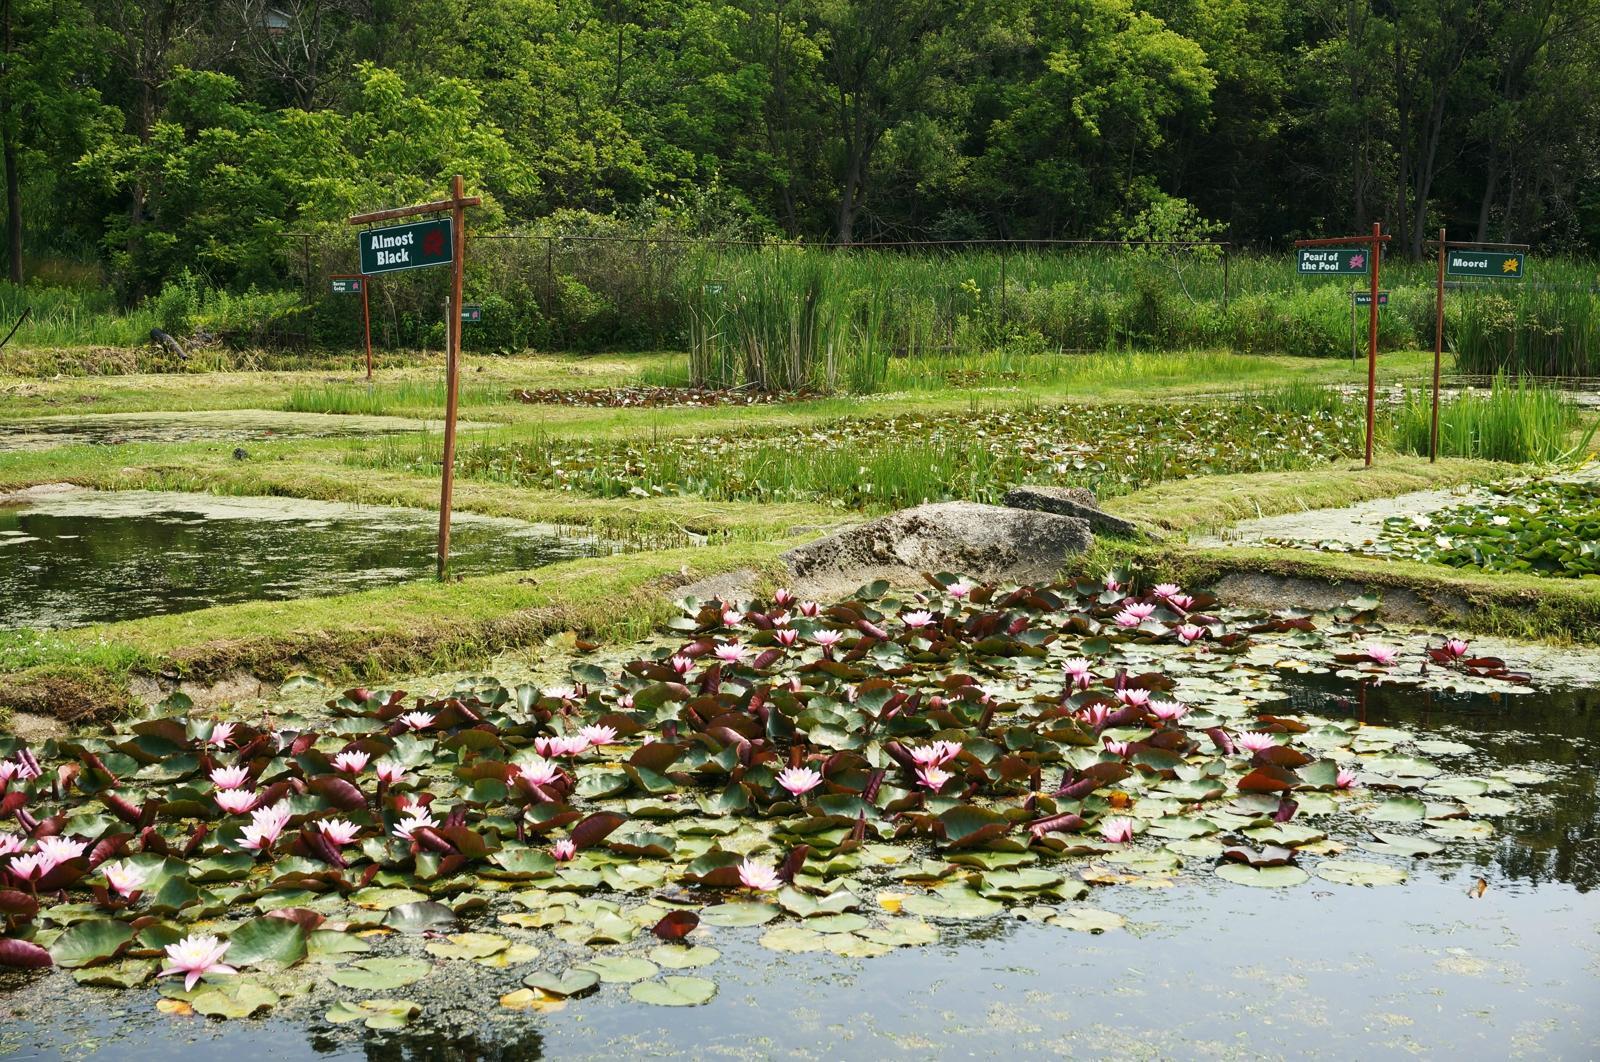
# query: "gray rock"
{"type": "Point", "coordinates": [1073, 501]}
{"type": "Point", "coordinates": [730, 587]}
{"type": "Point", "coordinates": [984, 541]}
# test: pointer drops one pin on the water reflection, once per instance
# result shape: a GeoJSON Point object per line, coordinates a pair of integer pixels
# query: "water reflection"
{"type": "Point", "coordinates": [94, 557]}
{"type": "Point", "coordinates": [1559, 839]}
{"type": "Point", "coordinates": [433, 1044]}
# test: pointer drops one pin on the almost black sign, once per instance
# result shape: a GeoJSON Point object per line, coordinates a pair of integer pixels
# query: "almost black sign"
{"type": "Point", "coordinates": [414, 246]}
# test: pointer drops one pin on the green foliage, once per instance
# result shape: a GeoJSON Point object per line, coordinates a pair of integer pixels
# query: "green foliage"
{"type": "Point", "coordinates": [1518, 421]}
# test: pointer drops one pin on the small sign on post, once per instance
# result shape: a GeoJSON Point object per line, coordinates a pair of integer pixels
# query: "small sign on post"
{"type": "Point", "coordinates": [414, 246]}
{"type": "Point", "coordinates": [471, 313]}
{"type": "Point", "coordinates": [356, 284]}
{"type": "Point", "coordinates": [1334, 261]}
{"type": "Point", "coordinates": [1496, 265]}
{"type": "Point", "coordinates": [1364, 298]}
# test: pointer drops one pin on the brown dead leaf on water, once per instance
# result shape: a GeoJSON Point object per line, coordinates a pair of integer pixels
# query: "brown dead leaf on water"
{"type": "Point", "coordinates": [175, 1007]}
{"type": "Point", "coordinates": [1477, 889]}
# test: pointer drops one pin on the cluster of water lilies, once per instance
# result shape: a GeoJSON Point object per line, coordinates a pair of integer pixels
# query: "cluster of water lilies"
{"type": "Point", "coordinates": [1102, 446]}
{"type": "Point", "coordinates": [981, 748]}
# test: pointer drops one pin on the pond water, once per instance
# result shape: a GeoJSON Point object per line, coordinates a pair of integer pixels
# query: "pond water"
{"type": "Point", "coordinates": [1437, 966]}
{"type": "Point", "coordinates": [79, 557]}
{"type": "Point", "coordinates": [232, 425]}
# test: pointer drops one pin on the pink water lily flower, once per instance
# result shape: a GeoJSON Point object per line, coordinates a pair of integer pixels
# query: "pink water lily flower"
{"type": "Point", "coordinates": [1096, 715]}
{"type": "Point", "coordinates": [1170, 711]}
{"type": "Point", "coordinates": [1181, 602]}
{"type": "Point", "coordinates": [960, 589]}
{"type": "Point", "coordinates": [30, 866]}
{"type": "Point", "coordinates": [1189, 633]}
{"type": "Point", "coordinates": [625, 701]}
{"type": "Point", "coordinates": [782, 619]}
{"type": "Point", "coordinates": [732, 617]}
{"type": "Point", "coordinates": [1143, 609]}
{"type": "Point", "coordinates": [235, 801]}
{"type": "Point", "coordinates": [1133, 697]}
{"type": "Point", "coordinates": [936, 754]}
{"type": "Point", "coordinates": [8, 770]}
{"type": "Point", "coordinates": [799, 780]}
{"type": "Point", "coordinates": [1111, 582]}
{"type": "Point", "coordinates": [1254, 740]}
{"type": "Point", "coordinates": [266, 825]}
{"type": "Point", "coordinates": [195, 957]}
{"type": "Point", "coordinates": [786, 636]}
{"type": "Point", "coordinates": [933, 777]}
{"type": "Point", "coordinates": [1127, 619]}
{"type": "Point", "coordinates": [230, 777]}
{"type": "Point", "coordinates": [339, 831]}
{"type": "Point", "coordinates": [563, 851]}
{"type": "Point", "coordinates": [917, 620]}
{"type": "Point", "coordinates": [1117, 748]}
{"type": "Point", "coordinates": [597, 735]}
{"type": "Point", "coordinates": [1456, 647]}
{"type": "Point", "coordinates": [11, 842]}
{"type": "Point", "coordinates": [390, 771]}
{"type": "Point", "coordinates": [567, 745]}
{"type": "Point", "coordinates": [1118, 829]}
{"type": "Point", "coordinates": [1345, 778]}
{"type": "Point", "coordinates": [828, 638]}
{"type": "Point", "coordinates": [783, 597]}
{"type": "Point", "coordinates": [809, 609]}
{"type": "Point", "coordinates": [1380, 654]}
{"type": "Point", "coordinates": [541, 772]}
{"type": "Point", "coordinates": [757, 876]}
{"type": "Point", "coordinates": [220, 734]}
{"type": "Point", "coordinates": [731, 652]}
{"type": "Point", "coordinates": [124, 878]}
{"type": "Point", "coordinates": [415, 819]}
{"type": "Point", "coordinates": [57, 850]}
{"type": "Point", "coordinates": [1165, 591]}
{"type": "Point", "coordinates": [681, 664]}
{"type": "Point", "coordinates": [351, 762]}
{"type": "Point", "coordinates": [417, 720]}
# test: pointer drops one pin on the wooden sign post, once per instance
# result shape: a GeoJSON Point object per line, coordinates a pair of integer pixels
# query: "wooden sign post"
{"type": "Point", "coordinates": [1465, 260]}
{"type": "Point", "coordinates": [1351, 257]}
{"type": "Point", "coordinates": [416, 246]}
{"type": "Point", "coordinates": [356, 284]}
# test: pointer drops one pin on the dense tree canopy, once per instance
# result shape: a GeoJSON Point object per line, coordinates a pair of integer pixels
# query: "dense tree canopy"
{"type": "Point", "coordinates": [156, 135]}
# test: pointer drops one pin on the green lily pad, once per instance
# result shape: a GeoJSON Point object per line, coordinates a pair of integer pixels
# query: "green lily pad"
{"type": "Point", "coordinates": [675, 991]}
{"type": "Point", "coordinates": [1357, 872]}
{"type": "Point", "coordinates": [1401, 845]}
{"type": "Point", "coordinates": [793, 938]}
{"type": "Point", "coordinates": [1087, 920]}
{"type": "Point", "coordinates": [902, 933]}
{"type": "Point", "coordinates": [677, 957]}
{"type": "Point", "coordinates": [377, 1014]}
{"type": "Point", "coordinates": [621, 969]}
{"type": "Point", "coordinates": [739, 913]}
{"type": "Point", "coordinates": [574, 982]}
{"type": "Point", "coordinates": [239, 1000]}
{"type": "Point", "coordinates": [264, 940]}
{"type": "Point", "coordinates": [380, 975]}
{"type": "Point", "coordinates": [90, 942]}
{"type": "Point", "coordinates": [330, 944]}
{"type": "Point", "coordinates": [1262, 877]}
{"type": "Point", "coordinates": [126, 974]}
{"type": "Point", "coordinates": [467, 946]}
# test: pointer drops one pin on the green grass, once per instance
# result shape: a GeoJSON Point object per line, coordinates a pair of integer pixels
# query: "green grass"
{"type": "Point", "coordinates": [387, 398]}
{"type": "Point", "coordinates": [1518, 421]}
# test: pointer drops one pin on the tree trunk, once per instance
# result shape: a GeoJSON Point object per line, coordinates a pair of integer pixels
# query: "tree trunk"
{"type": "Point", "coordinates": [1490, 181]}
{"type": "Point", "coordinates": [9, 150]}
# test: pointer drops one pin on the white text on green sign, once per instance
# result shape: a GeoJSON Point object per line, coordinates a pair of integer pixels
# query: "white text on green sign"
{"type": "Point", "coordinates": [413, 246]}
{"type": "Point", "coordinates": [347, 286]}
{"type": "Point", "coordinates": [1364, 298]}
{"type": "Point", "coordinates": [469, 312]}
{"type": "Point", "coordinates": [1496, 264]}
{"type": "Point", "coordinates": [1333, 260]}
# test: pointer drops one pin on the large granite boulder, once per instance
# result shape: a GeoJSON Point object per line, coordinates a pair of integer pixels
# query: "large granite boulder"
{"type": "Point", "coordinates": [986, 542]}
{"type": "Point", "coordinates": [1077, 502]}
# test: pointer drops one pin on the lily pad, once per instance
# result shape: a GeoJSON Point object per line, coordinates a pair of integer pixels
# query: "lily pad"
{"type": "Point", "coordinates": [739, 913]}
{"type": "Point", "coordinates": [376, 1014]}
{"type": "Point", "coordinates": [1262, 877]}
{"type": "Point", "coordinates": [574, 982]}
{"type": "Point", "coordinates": [1087, 920]}
{"type": "Point", "coordinates": [677, 957]}
{"type": "Point", "coordinates": [1357, 872]}
{"type": "Point", "coordinates": [675, 991]}
{"type": "Point", "coordinates": [380, 975]}
{"type": "Point", "coordinates": [621, 969]}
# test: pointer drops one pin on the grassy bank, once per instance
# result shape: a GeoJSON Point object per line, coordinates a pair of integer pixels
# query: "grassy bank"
{"type": "Point", "coordinates": [411, 627]}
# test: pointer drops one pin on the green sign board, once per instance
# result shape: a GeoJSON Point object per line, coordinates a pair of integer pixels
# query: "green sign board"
{"type": "Point", "coordinates": [413, 246]}
{"type": "Point", "coordinates": [471, 313]}
{"type": "Point", "coordinates": [347, 285]}
{"type": "Point", "coordinates": [1496, 264]}
{"type": "Point", "coordinates": [1364, 298]}
{"type": "Point", "coordinates": [1333, 261]}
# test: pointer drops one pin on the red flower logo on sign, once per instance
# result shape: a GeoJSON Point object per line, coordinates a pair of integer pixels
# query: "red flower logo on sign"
{"type": "Point", "coordinates": [1357, 261]}
{"type": "Point", "coordinates": [433, 243]}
